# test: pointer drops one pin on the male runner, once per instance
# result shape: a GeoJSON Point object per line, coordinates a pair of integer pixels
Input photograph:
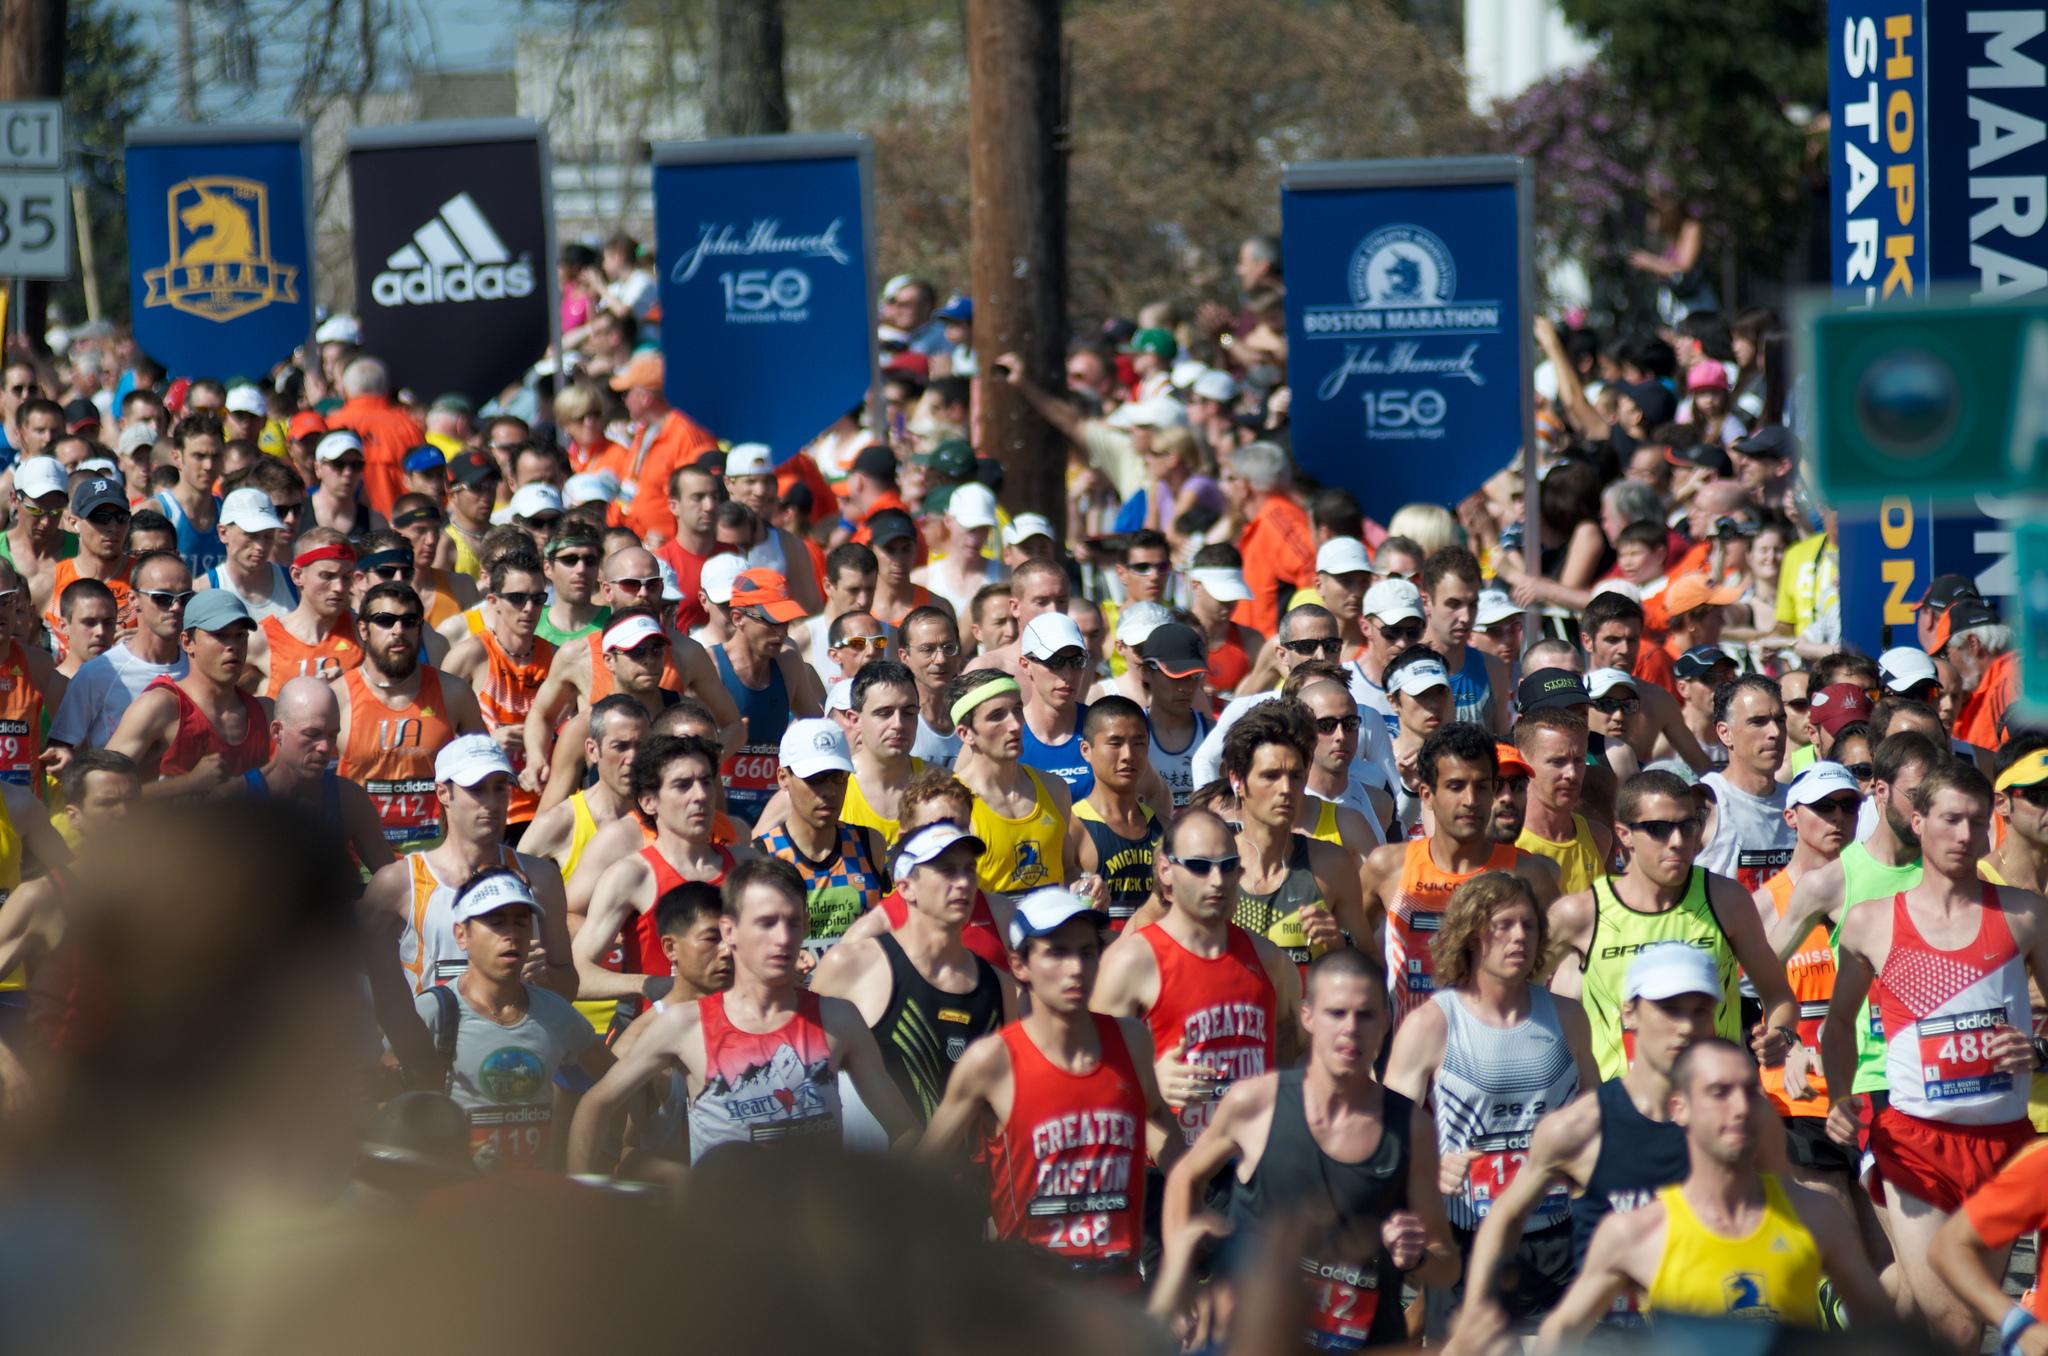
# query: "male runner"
{"type": "Point", "coordinates": [1114, 834]}
{"type": "Point", "coordinates": [1393, 622]}
{"type": "Point", "coordinates": [1220, 1002]}
{"type": "Point", "coordinates": [1729, 1241]}
{"type": "Point", "coordinates": [1064, 1100]}
{"type": "Point", "coordinates": [925, 996]}
{"type": "Point", "coordinates": [1747, 835]}
{"type": "Point", "coordinates": [1342, 806]}
{"type": "Point", "coordinates": [1020, 815]}
{"type": "Point", "coordinates": [635, 656]}
{"type": "Point", "coordinates": [190, 503]}
{"type": "Point", "coordinates": [100, 519]}
{"type": "Point", "coordinates": [849, 587]}
{"type": "Point", "coordinates": [840, 863]}
{"type": "Point", "coordinates": [1037, 586]}
{"type": "Point", "coordinates": [761, 1060]}
{"type": "Point", "coordinates": [1612, 625]}
{"type": "Point", "coordinates": [1331, 1141]}
{"type": "Point", "coordinates": [34, 542]}
{"type": "Point", "coordinates": [1410, 883]}
{"type": "Point", "coordinates": [1953, 954]}
{"type": "Point", "coordinates": [930, 647]}
{"type": "Point", "coordinates": [1968, 1252]}
{"type": "Point", "coordinates": [884, 707]}
{"type": "Point", "coordinates": [1450, 581]}
{"type": "Point", "coordinates": [572, 558]}
{"type": "Point", "coordinates": [768, 698]}
{"type": "Point", "coordinates": [29, 684]}
{"type": "Point", "coordinates": [249, 529]}
{"type": "Point", "coordinates": [304, 734]}
{"type": "Point", "coordinates": [97, 790]}
{"type": "Point", "coordinates": [316, 639]}
{"type": "Point", "coordinates": [197, 734]}
{"type": "Point", "coordinates": [102, 690]}
{"type": "Point", "coordinates": [397, 713]}
{"type": "Point", "coordinates": [1173, 665]}
{"type": "Point", "coordinates": [91, 624]}
{"type": "Point", "coordinates": [1510, 795]}
{"type": "Point", "coordinates": [506, 662]}
{"type": "Point", "coordinates": [1418, 687]}
{"type": "Point", "coordinates": [1490, 1052]}
{"type": "Point", "coordinates": [2021, 857]}
{"type": "Point", "coordinates": [1552, 739]}
{"type": "Point", "coordinates": [1056, 656]}
{"type": "Point", "coordinates": [1664, 895]}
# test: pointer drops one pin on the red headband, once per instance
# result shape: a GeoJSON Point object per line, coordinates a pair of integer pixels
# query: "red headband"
{"type": "Point", "coordinates": [339, 550]}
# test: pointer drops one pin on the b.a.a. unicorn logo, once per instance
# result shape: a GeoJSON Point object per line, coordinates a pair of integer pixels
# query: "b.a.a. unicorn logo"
{"type": "Point", "coordinates": [219, 266]}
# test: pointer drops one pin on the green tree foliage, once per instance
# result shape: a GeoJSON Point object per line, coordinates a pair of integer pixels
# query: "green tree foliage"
{"type": "Point", "coordinates": [108, 73]}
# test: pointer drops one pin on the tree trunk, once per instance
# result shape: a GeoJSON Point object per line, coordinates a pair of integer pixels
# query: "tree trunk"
{"type": "Point", "coordinates": [745, 95]}
{"type": "Point", "coordinates": [32, 67]}
{"type": "Point", "coordinates": [1016, 122]}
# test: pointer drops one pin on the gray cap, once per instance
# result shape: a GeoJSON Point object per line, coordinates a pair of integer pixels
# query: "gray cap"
{"type": "Point", "coordinates": [215, 610]}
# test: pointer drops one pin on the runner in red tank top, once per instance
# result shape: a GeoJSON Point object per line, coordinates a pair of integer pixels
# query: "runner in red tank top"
{"type": "Point", "coordinates": [1221, 1003]}
{"type": "Point", "coordinates": [1064, 1102]}
{"type": "Point", "coordinates": [201, 730]}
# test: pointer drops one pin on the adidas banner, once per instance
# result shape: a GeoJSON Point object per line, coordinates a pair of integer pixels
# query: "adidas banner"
{"type": "Point", "coordinates": [219, 259]}
{"type": "Point", "coordinates": [453, 243]}
{"type": "Point", "coordinates": [768, 321]}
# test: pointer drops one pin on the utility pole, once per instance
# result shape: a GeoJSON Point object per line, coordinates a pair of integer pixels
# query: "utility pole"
{"type": "Point", "coordinates": [31, 67]}
{"type": "Point", "coordinates": [188, 68]}
{"type": "Point", "coordinates": [745, 95]}
{"type": "Point", "coordinates": [1018, 179]}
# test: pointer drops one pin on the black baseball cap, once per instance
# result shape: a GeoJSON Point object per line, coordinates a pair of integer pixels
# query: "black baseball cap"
{"type": "Point", "coordinates": [887, 525]}
{"type": "Point", "coordinates": [473, 468]}
{"type": "Point", "coordinates": [1772, 440]}
{"type": "Point", "coordinates": [98, 493]}
{"type": "Point", "coordinates": [1551, 687]}
{"type": "Point", "coordinates": [1706, 456]}
{"type": "Point", "coordinates": [1945, 589]}
{"type": "Point", "coordinates": [1658, 405]}
{"type": "Point", "coordinates": [876, 462]}
{"type": "Point", "coordinates": [1963, 614]}
{"type": "Point", "coordinates": [1176, 649]}
{"type": "Point", "coordinates": [80, 414]}
{"type": "Point", "coordinates": [1700, 661]}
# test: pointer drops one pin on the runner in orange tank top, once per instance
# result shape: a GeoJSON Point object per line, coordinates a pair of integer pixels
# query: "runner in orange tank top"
{"type": "Point", "coordinates": [1410, 883]}
{"type": "Point", "coordinates": [507, 663]}
{"type": "Point", "coordinates": [63, 577]}
{"type": "Point", "coordinates": [28, 682]}
{"type": "Point", "coordinates": [99, 516]}
{"type": "Point", "coordinates": [316, 639]}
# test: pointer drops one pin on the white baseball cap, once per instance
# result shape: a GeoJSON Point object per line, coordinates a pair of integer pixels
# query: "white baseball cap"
{"type": "Point", "coordinates": [1419, 677]}
{"type": "Point", "coordinates": [1046, 911]}
{"type": "Point", "coordinates": [533, 499]}
{"type": "Point", "coordinates": [925, 846]}
{"type": "Point", "coordinates": [1819, 780]}
{"type": "Point", "coordinates": [1494, 608]}
{"type": "Point", "coordinates": [1025, 526]}
{"type": "Point", "coordinates": [1218, 386]}
{"type": "Point", "coordinates": [336, 445]}
{"type": "Point", "coordinates": [99, 466]}
{"type": "Point", "coordinates": [591, 487]}
{"type": "Point", "coordinates": [1138, 621]}
{"type": "Point", "coordinates": [250, 509]}
{"type": "Point", "coordinates": [500, 890]}
{"type": "Point", "coordinates": [1623, 587]}
{"type": "Point", "coordinates": [972, 505]}
{"type": "Point", "coordinates": [671, 587]}
{"type": "Point", "coordinates": [1225, 585]}
{"type": "Point", "coordinates": [1343, 555]}
{"type": "Point", "coordinates": [1600, 682]}
{"type": "Point", "coordinates": [468, 759]}
{"type": "Point", "coordinates": [134, 438]}
{"type": "Point", "coordinates": [1049, 633]}
{"type": "Point", "coordinates": [813, 746]}
{"type": "Point", "coordinates": [1187, 372]}
{"type": "Point", "coordinates": [1393, 600]}
{"type": "Point", "coordinates": [719, 573]}
{"type": "Point", "coordinates": [750, 459]}
{"type": "Point", "coordinates": [245, 399]}
{"type": "Point", "coordinates": [1905, 667]}
{"type": "Point", "coordinates": [1158, 412]}
{"type": "Point", "coordinates": [840, 696]}
{"type": "Point", "coordinates": [630, 633]}
{"type": "Point", "coordinates": [39, 476]}
{"type": "Point", "coordinates": [1668, 969]}
{"type": "Point", "coordinates": [338, 329]}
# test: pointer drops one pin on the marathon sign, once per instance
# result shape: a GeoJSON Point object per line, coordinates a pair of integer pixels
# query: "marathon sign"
{"type": "Point", "coordinates": [1407, 323]}
{"type": "Point", "coordinates": [219, 248]}
{"type": "Point", "coordinates": [1939, 178]}
{"type": "Point", "coordinates": [454, 244]}
{"type": "Point", "coordinates": [765, 256]}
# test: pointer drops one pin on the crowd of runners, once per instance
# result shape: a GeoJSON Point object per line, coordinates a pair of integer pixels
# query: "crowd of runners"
{"type": "Point", "coordinates": [1576, 933]}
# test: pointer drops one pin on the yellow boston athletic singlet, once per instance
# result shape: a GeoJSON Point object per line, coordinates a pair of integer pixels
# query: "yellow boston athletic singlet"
{"type": "Point", "coordinates": [1022, 854]}
{"type": "Point", "coordinates": [1771, 1276]}
{"type": "Point", "coordinates": [1578, 862]}
{"type": "Point", "coordinates": [2037, 1100]}
{"type": "Point", "coordinates": [860, 811]}
{"type": "Point", "coordinates": [597, 1011]}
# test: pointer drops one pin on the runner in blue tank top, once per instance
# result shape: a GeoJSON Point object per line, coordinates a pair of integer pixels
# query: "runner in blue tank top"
{"type": "Point", "coordinates": [190, 504]}
{"type": "Point", "coordinates": [761, 613]}
{"type": "Point", "coordinates": [1450, 589]}
{"type": "Point", "coordinates": [1056, 654]}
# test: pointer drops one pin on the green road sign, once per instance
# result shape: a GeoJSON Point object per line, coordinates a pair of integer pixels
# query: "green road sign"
{"type": "Point", "coordinates": [2030, 616]}
{"type": "Point", "coordinates": [1944, 401]}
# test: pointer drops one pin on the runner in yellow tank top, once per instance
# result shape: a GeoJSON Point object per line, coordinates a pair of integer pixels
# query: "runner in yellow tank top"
{"type": "Point", "coordinates": [885, 726]}
{"type": "Point", "coordinates": [1023, 854]}
{"type": "Point", "coordinates": [1579, 862]}
{"type": "Point", "coordinates": [859, 810]}
{"type": "Point", "coordinates": [1027, 848]}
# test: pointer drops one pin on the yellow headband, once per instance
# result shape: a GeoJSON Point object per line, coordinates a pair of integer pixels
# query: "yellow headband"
{"type": "Point", "coordinates": [974, 697]}
{"type": "Point", "coordinates": [2028, 771]}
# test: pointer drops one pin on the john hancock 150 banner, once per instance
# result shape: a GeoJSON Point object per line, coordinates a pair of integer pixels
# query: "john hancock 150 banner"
{"type": "Point", "coordinates": [767, 315]}
{"type": "Point", "coordinates": [454, 250]}
{"type": "Point", "coordinates": [1407, 324]}
{"type": "Point", "coordinates": [219, 258]}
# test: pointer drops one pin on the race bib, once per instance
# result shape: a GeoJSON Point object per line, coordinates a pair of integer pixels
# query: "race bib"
{"type": "Point", "coordinates": [408, 810]}
{"type": "Point", "coordinates": [17, 752]}
{"type": "Point", "coordinates": [1955, 1054]}
{"type": "Point", "coordinates": [1500, 1158]}
{"type": "Point", "coordinates": [749, 777]}
{"type": "Point", "coordinates": [1343, 1300]}
{"type": "Point", "coordinates": [1754, 866]}
{"type": "Point", "coordinates": [504, 1139]}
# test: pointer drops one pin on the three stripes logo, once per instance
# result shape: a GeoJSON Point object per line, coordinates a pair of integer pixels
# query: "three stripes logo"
{"type": "Point", "coordinates": [455, 257]}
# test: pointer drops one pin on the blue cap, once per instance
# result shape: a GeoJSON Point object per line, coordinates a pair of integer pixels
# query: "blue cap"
{"type": "Point", "coordinates": [426, 458]}
{"type": "Point", "coordinates": [958, 308]}
{"type": "Point", "coordinates": [213, 610]}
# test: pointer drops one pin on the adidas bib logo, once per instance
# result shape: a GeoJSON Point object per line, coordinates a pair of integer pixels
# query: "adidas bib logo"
{"type": "Point", "coordinates": [455, 257]}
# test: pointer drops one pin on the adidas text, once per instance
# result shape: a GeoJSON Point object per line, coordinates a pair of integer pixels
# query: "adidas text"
{"type": "Point", "coordinates": [456, 282]}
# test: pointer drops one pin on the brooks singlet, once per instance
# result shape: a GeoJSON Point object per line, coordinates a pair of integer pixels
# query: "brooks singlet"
{"type": "Point", "coordinates": [1751, 838]}
{"type": "Point", "coordinates": [390, 753]}
{"type": "Point", "coordinates": [1125, 864]}
{"type": "Point", "coordinates": [1620, 933]}
{"type": "Point", "coordinates": [1770, 1275]}
{"type": "Point", "coordinates": [1494, 1084]}
{"type": "Point", "coordinates": [1865, 878]}
{"type": "Point", "coordinates": [1067, 1168]}
{"type": "Point", "coordinates": [1063, 759]}
{"type": "Point", "coordinates": [749, 773]}
{"type": "Point", "coordinates": [925, 1029]}
{"type": "Point", "coordinates": [1354, 1301]}
{"type": "Point", "coordinates": [1939, 1009]}
{"type": "Point", "coordinates": [839, 887]}
{"type": "Point", "coordinates": [1021, 854]}
{"type": "Point", "coordinates": [1414, 916]}
{"type": "Point", "coordinates": [763, 1086]}
{"type": "Point", "coordinates": [1472, 690]}
{"type": "Point", "coordinates": [1177, 770]}
{"type": "Point", "coordinates": [1276, 914]}
{"type": "Point", "coordinates": [1578, 861]}
{"type": "Point", "coordinates": [1220, 1012]}
{"type": "Point", "coordinates": [1811, 973]}
{"type": "Point", "coordinates": [858, 809]}
{"type": "Point", "coordinates": [1637, 1158]}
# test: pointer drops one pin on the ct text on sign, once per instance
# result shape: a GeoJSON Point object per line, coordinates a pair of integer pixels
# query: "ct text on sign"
{"type": "Point", "coordinates": [35, 198]}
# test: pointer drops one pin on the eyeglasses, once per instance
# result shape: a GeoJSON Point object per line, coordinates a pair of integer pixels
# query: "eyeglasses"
{"type": "Point", "coordinates": [295, 509]}
{"type": "Point", "coordinates": [1329, 725]}
{"type": "Point", "coordinates": [1067, 661]}
{"type": "Point", "coordinates": [1835, 805]}
{"type": "Point", "coordinates": [575, 560]}
{"type": "Point", "coordinates": [1862, 772]}
{"type": "Point", "coordinates": [392, 621]}
{"type": "Point", "coordinates": [523, 599]}
{"type": "Point", "coordinates": [636, 583]}
{"type": "Point", "coordinates": [1309, 649]}
{"type": "Point", "coordinates": [166, 599]}
{"type": "Point", "coordinates": [948, 648]}
{"type": "Point", "coordinates": [1665, 828]}
{"type": "Point", "coordinates": [1145, 566]}
{"type": "Point", "coordinates": [107, 517]}
{"type": "Point", "coordinates": [35, 510]}
{"type": "Point", "coordinates": [396, 574]}
{"type": "Point", "coordinates": [1410, 633]}
{"type": "Point", "coordinates": [1798, 704]}
{"type": "Point", "coordinates": [861, 643]}
{"type": "Point", "coordinates": [1617, 706]}
{"type": "Point", "coordinates": [1202, 866]}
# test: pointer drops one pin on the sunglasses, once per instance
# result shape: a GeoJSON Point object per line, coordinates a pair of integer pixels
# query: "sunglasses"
{"type": "Point", "coordinates": [298, 510]}
{"type": "Point", "coordinates": [1799, 704]}
{"type": "Point", "coordinates": [35, 510]}
{"type": "Point", "coordinates": [504, 447]}
{"type": "Point", "coordinates": [346, 464]}
{"type": "Point", "coordinates": [575, 560]}
{"type": "Point", "coordinates": [637, 584]}
{"type": "Point", "coordinates": [861, 643]}
{"type": "Point", "coordinates": [1662, 829]}
{"type": "Point", "coordinates": [1617, 706]}
{"type": "Point", "coordinates": [545, 520]}
{"type": "Point", "coordinates": [30, 389]}
{"type": "Point", "coordinates": [1145, 566]}
{"type": "Point", "coordinates": [392, 621]}
{"type": "Point", "coordinates": [1410, 633]}
{"type": "Point", "coordinates": [1067, 662]}
{"type": "Point", "coordinates": [646, 650]}
{"type": "Point", "coordinates": [166, 599]}
{"type": "Point", "coordinates": [1926, 692]}
{"type": "Point", "coordinates": [2035, 795]}
{"type": "Point", "coordinates": [1202, 866]}
{"type": "Point", "coordinates": [1862, 772]}
{"type": "Point", "coordinates": [1329, 725]}
{"type": "Point", "coordinates": [396, 574]}
{"type": "Point", "coordinates": [1309, 649]}
{"type": "Point", "coordinates": [524, 599]}
{"type": "Point", "coordinates": [1832, 806]}
{"type": "Point", "coordinates": [107, 517]}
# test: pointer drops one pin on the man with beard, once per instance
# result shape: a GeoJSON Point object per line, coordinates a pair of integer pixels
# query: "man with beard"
{"type": "Point", "coordinates": [396, 715]}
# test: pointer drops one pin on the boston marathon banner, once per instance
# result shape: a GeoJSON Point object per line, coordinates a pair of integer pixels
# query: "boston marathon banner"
{"type": "Point", "coordinates": [219, 259]}
{"type": "Point", "coordinates": [1938, 170]}
{"type": "Point", "coordinates": [454, 251]}
{"type": "Point", "coordinates": [767, 295]}
{"type": "Point", "coordinates": [1408, 324]}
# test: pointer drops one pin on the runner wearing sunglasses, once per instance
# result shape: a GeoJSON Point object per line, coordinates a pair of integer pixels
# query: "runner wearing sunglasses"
{"type": "Point", "coordinates": [1393, 623]}
{"type": "Point", "coordinates": [635, 650]}
{"type": "Point", "coordinates": [572, 557]}
{"type": "Point", "coordinates": [99, 518]}
{"type": "Point", "coordinates": [506, 663]}
{"type": "Point", "coordinates": [1345, 803]}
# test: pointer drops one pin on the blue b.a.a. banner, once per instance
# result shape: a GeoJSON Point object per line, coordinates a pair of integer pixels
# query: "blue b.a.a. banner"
{"type": "Point", "coordinates": [767, 316]}
{"type": "Point", "coordinates": [1407, 324]}
{"type": "Point", "coordinates": [1937, 167]}
{"type": "Point", "coordinates": [219, 254]}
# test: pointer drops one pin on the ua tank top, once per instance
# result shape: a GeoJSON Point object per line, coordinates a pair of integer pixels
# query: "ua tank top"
{"type": "Point", "coordinates": [1811, 972]}
{"type": "Point", "coordinates": [1067, 1166]}
{"type": "Point", "coordinates": [328, 658]}
{"type": "Point", "coordinates": [390, 754]}
{"type": "Point", "coordinates": [1276, 914]}
{"type": "Point", "coordinates": [196, 736]}
{"type": "Point", "coordinates": [1220, 1012]}
{"type": "Point", "coordinates": [1177, 769]}
{"type": "Point", "coordinates": [1620, 933]}
{"type": "Point", "coordinates": [1494, 1084]}
{"type": "Point", "coordinates": [925, 1029]}
{"type": "Point", "coordinates": [858, 809]}
{"type": "Point", "coordinates": [838, 888]}
{"type": "Point", "coordinates": [1354, 1298]}
{"type": "Point", "coordinates": [1940, 1007]}
{"type": "Point", "coordinates": [980, 937]}
{"type": "Point", "coordinates": [506, 695]}
{"type": "Point", "coordinates": [749, 773]}
{"type": "Point", "coordinates": [1578, 861]}
{"type": "Point", "coordinates": [1063, 758]}
{"type": "Point", "coordinates": [1637, 1158]}
{"type": "Point", "coordinates": [1751, 838]}
{"type": "Point", "coordinates": [641, 940]}
{"type": "Point", "coordinates": [1415, 915]}
{"type": "Point", "coordinates": [1864, 878]}
{"type": "Point", "coordinates": [1021, 854]}
{"type": "Point", "coordinates": [1125, 864]}
{"type": "Point", "coordinates": [1770, 1275]}
{"type": "Point", "coordinates": [763, 1086]}
{"type": "Point", "coordinates": [21, 721]}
